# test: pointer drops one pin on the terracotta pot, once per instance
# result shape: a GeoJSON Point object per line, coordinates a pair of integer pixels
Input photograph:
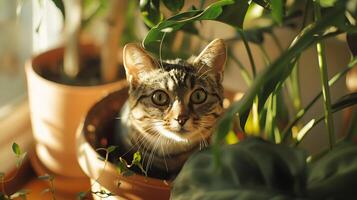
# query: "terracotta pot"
{"type": "Point", "coordinates": [56, 110]}
{"type": "Point", "coordinates": [93, 134]}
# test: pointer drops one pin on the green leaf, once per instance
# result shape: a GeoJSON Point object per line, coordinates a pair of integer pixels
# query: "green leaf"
{"type": "Point", "coordinates": [277, 10]}
{"type": "Point", "coordinates": [212, 12]}
{"type": "Point", "coordinates": [251, 169]}
{"type": "Point", "coordinates": [122, 168]}
{"type": "Point", "coordinates": [334, 175]}
{"type": "Point", "coordinates": [301, 134]}
{"type": "Point", "coordinates": [2, 175]}
{"type": "Point", "coordinates": [175, 5]}
{"type": "Point", "coordinates": [136, 157]}
{"type": "Point", "coordinates": [111, 149]}
{"type": "Point", "coordinates": [150, 11]}
{"type": "Point", "coordinates": [16, 149]}
{"type": "Point", "coordinates": [234, 14]}
{"type": "Point", "coordinates": [327, 3]}
{"type": "Point", "coordinates": [59, 4]}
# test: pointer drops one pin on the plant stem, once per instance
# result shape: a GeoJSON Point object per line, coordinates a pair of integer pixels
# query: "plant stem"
{"type": "Point", "coordinates": [324, 81]}
{"type": "Point", "coordinates": [109, 54]}
{"type": "Point", "coordinates": [52, 189]}
{"type": "Point", "coordinates": [249, 52]}
{"type": "Point", "coordinates": [71, 62]}
{"type": "Point", "coordinates": [243, 70]}
{"type": "Point", "coordinates": [331, 82]}
{"type": "Point", "coordinates": [265, 55]}
{"type": "Point", "coordinates": [277, 42]}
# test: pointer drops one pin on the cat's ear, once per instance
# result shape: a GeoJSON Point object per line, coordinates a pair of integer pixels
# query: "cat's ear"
{"type": "Point", "coordinates": [212, 59]}
{"type": "Point", "coordinates": [136, 62]}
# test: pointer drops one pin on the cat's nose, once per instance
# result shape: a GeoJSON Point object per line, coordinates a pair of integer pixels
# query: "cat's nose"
{"type": "Point", "coordinates": [182, 119]}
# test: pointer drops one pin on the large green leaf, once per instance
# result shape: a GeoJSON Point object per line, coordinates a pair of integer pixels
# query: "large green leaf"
{"type": "Point", "coordinates": [277, 10]}
{"type": "Point", "coordinates": [251, 169]}
{"type": "Point", "coordinates": [234, 14]}
{"type": "Point", "coordinates": [221, 11]}
{"type": "Point", "coordinates": [334, 176]}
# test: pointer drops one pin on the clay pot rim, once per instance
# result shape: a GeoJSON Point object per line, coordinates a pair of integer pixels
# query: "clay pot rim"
{"type": "Point", "coordinates": [33, 64]}
{"type": "Point", "coordinates": [135, 179]}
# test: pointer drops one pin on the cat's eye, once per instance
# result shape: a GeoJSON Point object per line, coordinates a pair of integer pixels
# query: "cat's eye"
{"type": "Point", "coordinates": [160, 98]}
{"type": "Point", "coordinates": [198, 96]}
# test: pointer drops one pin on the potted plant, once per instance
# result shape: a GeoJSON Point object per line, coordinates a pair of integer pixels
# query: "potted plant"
{"type": "Point", "coordinates": [64, 82]}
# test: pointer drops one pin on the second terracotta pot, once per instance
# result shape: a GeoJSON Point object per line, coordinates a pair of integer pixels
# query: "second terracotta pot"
{"type": "Point", "coordinates": [56, 110]}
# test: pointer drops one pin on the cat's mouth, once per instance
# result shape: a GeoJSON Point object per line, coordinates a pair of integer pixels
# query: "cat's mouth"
{"type": "Point", "coordinates": [182, 131]}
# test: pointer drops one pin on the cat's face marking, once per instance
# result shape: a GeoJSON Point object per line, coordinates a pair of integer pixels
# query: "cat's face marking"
{"type": "Point", "coordinates": [177, 102]}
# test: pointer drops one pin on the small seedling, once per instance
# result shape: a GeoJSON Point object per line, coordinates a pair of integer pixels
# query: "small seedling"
{"type": "Point", "coordinates": [124, 167]}
{"type": "Point", "coordinates": [20, 156]}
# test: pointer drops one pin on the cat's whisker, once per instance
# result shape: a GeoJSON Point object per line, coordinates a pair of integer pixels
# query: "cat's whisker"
{"type": "Point", "coordinates": [205, 73]}
{"type": "Point", "coordinates": [139, 141]}
{"type": "Point", "coordinates": [160, 50]}
{"type": "Point", "coordinates": [151, 157]}
{"type": "Point", "coordinates": [146, 152]}
{"type": "Point", "coordinates": [201, 67]}
{"type": "Point", "coordinates": [120, 118]}
{"type": "Point", "coordinates": [163, 155]}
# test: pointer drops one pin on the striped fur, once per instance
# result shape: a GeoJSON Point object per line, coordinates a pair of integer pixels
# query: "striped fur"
{"type": "Point", "coordinates": [156, 130]}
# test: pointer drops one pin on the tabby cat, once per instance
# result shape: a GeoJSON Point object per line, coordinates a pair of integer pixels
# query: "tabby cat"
{"type": "Point", "coordinates": [173, 105]}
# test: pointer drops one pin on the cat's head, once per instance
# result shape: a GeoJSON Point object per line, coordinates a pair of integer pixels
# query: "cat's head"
{"type": "Point", "coordinates": [177, 101]}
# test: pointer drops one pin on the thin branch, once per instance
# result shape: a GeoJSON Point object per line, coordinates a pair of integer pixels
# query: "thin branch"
{"type": "Point", "coordinates": [249, 52]}
{"type": "Point", "coordinates": [324, 81]}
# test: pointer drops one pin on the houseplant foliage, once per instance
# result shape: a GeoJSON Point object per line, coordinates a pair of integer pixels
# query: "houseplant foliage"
{"type": "Point", "coordinates": [77, 16]}
{"type": "Point", "coordinates": [253, 168]}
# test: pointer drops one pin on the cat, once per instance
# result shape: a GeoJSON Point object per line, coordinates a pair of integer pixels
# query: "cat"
{"type": "Point", "coordinates": [173, 105]}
